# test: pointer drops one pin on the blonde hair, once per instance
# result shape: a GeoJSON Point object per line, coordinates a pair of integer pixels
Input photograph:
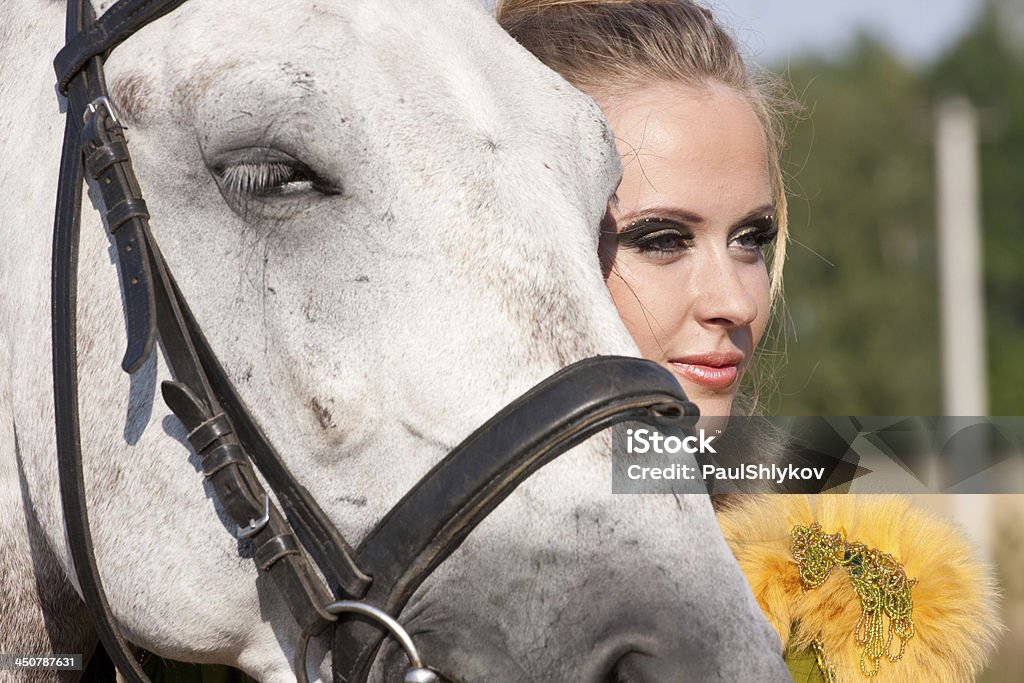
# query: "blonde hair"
{"type": "Point", "coordinates": [607, 48]}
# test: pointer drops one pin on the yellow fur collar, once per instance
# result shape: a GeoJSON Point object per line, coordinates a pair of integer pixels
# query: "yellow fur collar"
{"type": "Point", "coordinates": [954, 599]}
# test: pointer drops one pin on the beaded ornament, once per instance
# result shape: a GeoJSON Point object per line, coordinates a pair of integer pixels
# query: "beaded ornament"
{"type": "Point", "coordinates": [879, 580]}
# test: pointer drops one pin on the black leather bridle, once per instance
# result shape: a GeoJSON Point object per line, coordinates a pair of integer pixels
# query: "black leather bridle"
{"type": "Point", "coordinates": [289, 532]}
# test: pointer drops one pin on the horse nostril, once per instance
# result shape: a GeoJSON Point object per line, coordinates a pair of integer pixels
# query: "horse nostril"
{"type": "Point", "coordinates": [614, 677]}
{"type": "Point", "coordinates": [618, 671]}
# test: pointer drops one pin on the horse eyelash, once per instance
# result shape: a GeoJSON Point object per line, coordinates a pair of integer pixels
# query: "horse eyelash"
{"type": "Point", "coordinates": [255, 179]}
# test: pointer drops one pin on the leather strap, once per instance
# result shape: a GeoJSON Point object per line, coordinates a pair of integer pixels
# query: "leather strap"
{"type": "Point", "coordinates": [65, 362]}
{"type": "Point", "coordinates": [102, 141]}
{"type": "Point", "coordinates": [151, 299]}
{"type": "Point", "coordinates": [320, 538]}
{"type": "Point", "coordinates": [97, 38]}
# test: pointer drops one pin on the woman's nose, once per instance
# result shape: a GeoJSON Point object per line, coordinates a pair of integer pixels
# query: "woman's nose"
{"type": "Point", "coordinates": [723, 297]}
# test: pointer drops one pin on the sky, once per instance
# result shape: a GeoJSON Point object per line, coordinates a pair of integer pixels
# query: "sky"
{"type": "Point", "coordinates": [772, 31]}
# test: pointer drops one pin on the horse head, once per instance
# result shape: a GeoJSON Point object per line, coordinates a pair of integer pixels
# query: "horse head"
{"type": "Point", "coordinates": [384, 215]}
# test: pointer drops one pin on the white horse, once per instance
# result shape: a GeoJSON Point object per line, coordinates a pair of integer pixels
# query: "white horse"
{"type": "Point", "coordinates": [385, 217]}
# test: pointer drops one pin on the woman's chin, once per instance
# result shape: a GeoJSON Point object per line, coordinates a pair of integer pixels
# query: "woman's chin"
{"type": "Point", "coordinates": [714, 411]}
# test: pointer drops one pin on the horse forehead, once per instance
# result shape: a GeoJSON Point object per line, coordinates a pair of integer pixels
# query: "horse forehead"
{"type": "Point", "coordinates": [448, 57]}
{"type": "Point", "coordinates": [331, 35]}
{"type": "Point", "coordinates": [388, 45]}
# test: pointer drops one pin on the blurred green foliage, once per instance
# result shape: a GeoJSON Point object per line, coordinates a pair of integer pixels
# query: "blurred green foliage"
{"type": "Point", "coordinates": [860, 330]}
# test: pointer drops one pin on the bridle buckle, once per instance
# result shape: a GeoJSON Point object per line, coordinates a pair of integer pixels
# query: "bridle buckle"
{"type": "Point", "coordinates": [94, 106]}
{"type": "Point", "coordinates": [256, 525]}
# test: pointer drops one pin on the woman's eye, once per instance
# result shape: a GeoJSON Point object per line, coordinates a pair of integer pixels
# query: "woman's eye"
{"type": "Point", "coordinates": [655, 237]}
{"type": "Point", "coordinates": [754, 237]}
{"type": "Point", "coordinates": [666, 241]}
{"type": "Point", "coordinates": [749, 240]}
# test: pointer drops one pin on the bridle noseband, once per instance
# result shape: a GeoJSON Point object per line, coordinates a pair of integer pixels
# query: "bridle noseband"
{"type": "Point", "coordinates": [289, 532]}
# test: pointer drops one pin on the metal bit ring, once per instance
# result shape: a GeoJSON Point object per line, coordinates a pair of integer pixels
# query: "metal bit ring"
{"type": "Point", "coordinates": [416, 673]}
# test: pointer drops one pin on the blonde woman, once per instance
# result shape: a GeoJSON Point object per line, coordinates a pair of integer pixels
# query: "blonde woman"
{"type": "Point", "coordinates": [693, 248]}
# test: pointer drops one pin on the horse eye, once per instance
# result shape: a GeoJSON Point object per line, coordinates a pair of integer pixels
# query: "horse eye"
{"type": "Point", "coordinates": [267, 179]}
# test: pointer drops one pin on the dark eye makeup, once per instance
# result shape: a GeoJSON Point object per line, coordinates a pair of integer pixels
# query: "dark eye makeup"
{"type": "Point", "coordinates": [656, 235]}
{"type": "Point", "coordinates": [665, 237]}
{"type": "Point", "coordinates": [755, 234]}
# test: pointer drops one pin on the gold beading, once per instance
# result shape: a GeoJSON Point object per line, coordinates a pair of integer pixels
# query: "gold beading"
{"type": "Point", "coordinates": [879, 580]}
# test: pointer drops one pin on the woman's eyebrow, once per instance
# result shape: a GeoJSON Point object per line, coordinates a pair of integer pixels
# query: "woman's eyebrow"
{"type": "Point", "coordinates": [766, 211]}
{"type": "Point", "coordinates": [674, 213]}
{"type": "Point", "coordinates": [688, 217]}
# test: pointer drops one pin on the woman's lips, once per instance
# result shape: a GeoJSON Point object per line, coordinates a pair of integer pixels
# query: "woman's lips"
{"type": "Point", "coordinates": [714, 371]}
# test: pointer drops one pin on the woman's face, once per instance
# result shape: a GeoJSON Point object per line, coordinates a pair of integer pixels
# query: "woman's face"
{"type": "Point", "coordinates": [693, 212]}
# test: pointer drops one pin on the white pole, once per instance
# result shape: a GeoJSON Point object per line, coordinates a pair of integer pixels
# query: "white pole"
{"type": "Point", "coordinates": [964, 378]}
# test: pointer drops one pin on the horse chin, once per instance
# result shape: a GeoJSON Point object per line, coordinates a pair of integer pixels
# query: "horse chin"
{"type": "Point", "coordinates": [622, 654]}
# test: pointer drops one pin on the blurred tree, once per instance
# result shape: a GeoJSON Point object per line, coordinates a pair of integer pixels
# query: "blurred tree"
{"type": "Point", "coordinates": [861, 334]}
{"type": "Point", "coordinates": [861, 328]}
